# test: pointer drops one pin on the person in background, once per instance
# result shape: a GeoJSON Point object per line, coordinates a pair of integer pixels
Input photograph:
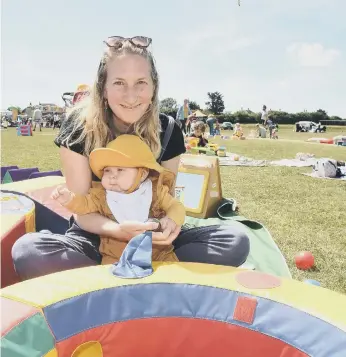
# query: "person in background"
{"type": "Point", "coordinates": [238, 131]}
{"type": "Point", "coordinates": [264, 116]}
{"type": "Point", "coordinates": [193, 123]}
{"type": "Point", "coordinates": [217, 130]}
{"type": "Point", "coordinates": [260, 131]}
{"type": "Point", "coordinates": [270, 127]}
{"type": "Point", "coordinates": [183, 113]}
{"type": "Point", "coordinates": [37, 118]}
{"type": "Point", "coordinates": [4, 122]}
{"type": "Point", "coordinates": [275, 129]}
{"type": "Point", "coordinates": [190, 119]}
{"type": "Point", "coordinates": [56, 121]}
{"type": "Point", "coordinates": [210, 122]}
{"type": "Point", "coordinates": [29, 110]}
{"type": "Point", "coordinates": [199, 132]}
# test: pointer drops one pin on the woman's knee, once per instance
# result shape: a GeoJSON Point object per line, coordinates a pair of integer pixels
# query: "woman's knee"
{"type": "Point", "coordinates": [240, 248]}
{"type": "Point", "coordinates": [234, 244]}
{"type": "Point", "coordinates": [25, 252]}
{"type": "Point", "coordinates": [23, 247]}
{"type": "Point", "coordinates": [221, 245]}
{"type": "Point", "coordinates": [41, 253]}
{"type": "Point", "coordinates": [231, 246]}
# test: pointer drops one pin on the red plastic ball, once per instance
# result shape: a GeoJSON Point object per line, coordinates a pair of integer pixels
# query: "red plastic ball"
{"type": "Point", "coordinates": [304, 260]}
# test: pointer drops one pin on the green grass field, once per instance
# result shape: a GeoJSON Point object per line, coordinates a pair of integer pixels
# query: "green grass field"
{"type": "Point", "coordinates": [301, 213]}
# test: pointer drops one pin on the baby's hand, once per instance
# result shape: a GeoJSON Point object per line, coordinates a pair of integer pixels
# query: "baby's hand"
{"type": "Point", "coordinates": [62, 195]}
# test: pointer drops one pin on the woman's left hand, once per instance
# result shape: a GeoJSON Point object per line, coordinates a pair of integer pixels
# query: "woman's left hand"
{"type": "Point", "coordinates": [170, 231]}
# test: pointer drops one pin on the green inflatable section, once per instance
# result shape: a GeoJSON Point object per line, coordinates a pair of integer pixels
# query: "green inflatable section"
{"type": "Point", "coordinates": [265, 256]}
{"type": "Point", "coordinates": [7, 178]}
{"type": "Point", "coordinates": [30, 338]}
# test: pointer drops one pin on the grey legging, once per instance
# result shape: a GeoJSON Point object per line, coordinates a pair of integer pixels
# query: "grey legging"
{"type": "Point", "coordinates": [37, 254]}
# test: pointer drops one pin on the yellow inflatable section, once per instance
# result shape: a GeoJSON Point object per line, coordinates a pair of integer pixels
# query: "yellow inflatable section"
{"type": "Point", "coordinates": [53, 288]}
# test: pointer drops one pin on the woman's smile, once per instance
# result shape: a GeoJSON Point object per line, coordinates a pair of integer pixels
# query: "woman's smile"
{"type": "Point", "coordinates": [130, 107]}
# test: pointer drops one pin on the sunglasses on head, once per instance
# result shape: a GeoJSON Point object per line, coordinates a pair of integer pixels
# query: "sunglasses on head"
{"type": "Point", "coordinates": [137, 41]}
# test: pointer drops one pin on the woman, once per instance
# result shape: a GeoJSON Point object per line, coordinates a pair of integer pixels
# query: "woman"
{"type": "Point", "coordinates": [124, 99]}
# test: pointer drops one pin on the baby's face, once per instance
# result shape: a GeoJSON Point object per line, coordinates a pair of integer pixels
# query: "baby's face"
{"type": "Point", "coordinates": [118, 179]}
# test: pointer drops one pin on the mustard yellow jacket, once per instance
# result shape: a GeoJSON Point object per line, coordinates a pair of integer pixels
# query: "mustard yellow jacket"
{"type": "Point", "coordinates": [163, 204]}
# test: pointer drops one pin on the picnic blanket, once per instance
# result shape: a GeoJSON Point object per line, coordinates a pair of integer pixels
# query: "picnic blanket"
{"type": "Point", "coordinates": [230, 160]}
{"type": "Point", "coordinates": [265, 256]}
{"type": "Point", "coordinates": [293, 162]}
{"type": "Point", "coordinates": [301, 160]}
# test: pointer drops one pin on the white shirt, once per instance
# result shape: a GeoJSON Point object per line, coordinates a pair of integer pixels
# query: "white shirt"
{"type": "Point", "coordinates": [37, 116]}
{"type": "Point", "coordinates": [264, 115]}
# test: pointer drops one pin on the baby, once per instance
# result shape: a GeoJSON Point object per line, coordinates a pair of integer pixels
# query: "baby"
{"type": "Point", "coordinates": [134, 188]}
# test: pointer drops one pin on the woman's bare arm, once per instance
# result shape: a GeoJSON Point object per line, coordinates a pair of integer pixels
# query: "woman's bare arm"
{"type": "Point", "coordinates": [76, 171]}
{"type": "Point", "coordinates": [78, 179]}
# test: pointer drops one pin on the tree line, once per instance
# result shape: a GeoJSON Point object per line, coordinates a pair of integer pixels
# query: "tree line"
{"type": "Point", "coordinates": [215, 105]}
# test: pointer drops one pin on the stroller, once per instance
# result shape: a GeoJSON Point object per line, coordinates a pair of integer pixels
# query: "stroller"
{"type": "Point", "coordinates": [71, 98]}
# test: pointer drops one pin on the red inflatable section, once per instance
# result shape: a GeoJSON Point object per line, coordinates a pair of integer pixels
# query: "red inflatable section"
{"type": "Point", "coordinates": [8, 274]}
{"type": "Point", "coordinates": [168, 337]}
{"type": "Point", "coordinates": [42, 195]}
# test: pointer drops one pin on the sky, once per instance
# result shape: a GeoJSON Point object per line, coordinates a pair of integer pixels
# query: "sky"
{"type": "Point", "coordinates": [287, 54]}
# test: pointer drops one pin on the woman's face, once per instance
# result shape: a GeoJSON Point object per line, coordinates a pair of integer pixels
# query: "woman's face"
{"type": "Point", "coordinates": [129, 87]}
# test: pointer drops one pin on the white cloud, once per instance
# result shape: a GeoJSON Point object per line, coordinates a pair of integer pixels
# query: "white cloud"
{"type": "Point", "coordinates": [238, 44]}
{"type": "Point", "coordinates": [312, 54]}
{"type": "Point", "coordinates": [283, 84]}
{"type": "Point", "coordinates": [217, 38]}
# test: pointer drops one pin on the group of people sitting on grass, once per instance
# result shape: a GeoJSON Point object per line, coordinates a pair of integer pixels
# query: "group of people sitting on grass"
{"type": "Point", "coordinates": [198, 130]}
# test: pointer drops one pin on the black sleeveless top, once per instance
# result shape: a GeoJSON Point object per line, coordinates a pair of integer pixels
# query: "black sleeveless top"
{"type": "Point", "coordinates": [175, 146]}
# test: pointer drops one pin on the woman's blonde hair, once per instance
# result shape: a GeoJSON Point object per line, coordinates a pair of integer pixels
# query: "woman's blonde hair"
{"type": "Point", "coordinates": [92, 119]}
